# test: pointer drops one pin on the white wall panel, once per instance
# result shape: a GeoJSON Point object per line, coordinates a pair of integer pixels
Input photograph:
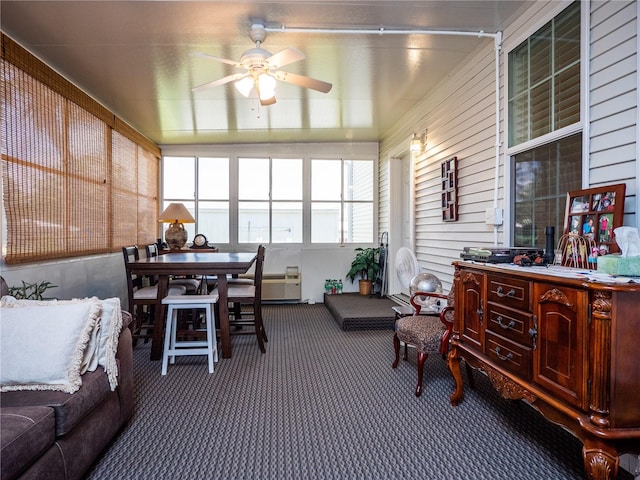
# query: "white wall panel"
{"type": "Point", "coordinates": [613, 128]}
{"type": "Point", "coordinates": [460, 117]}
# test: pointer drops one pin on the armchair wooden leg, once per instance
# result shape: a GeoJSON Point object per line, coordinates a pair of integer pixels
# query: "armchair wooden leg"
{"type": "Point", "coordinates": [422, 357]}
{"type": "Point", "coordinates": [396, 348]}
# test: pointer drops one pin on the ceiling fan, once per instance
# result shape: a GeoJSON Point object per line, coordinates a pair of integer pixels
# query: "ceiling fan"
{"type": "Point", "coordinates": [262, 69]}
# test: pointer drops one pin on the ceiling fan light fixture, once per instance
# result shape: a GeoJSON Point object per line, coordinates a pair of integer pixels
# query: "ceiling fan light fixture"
{"type": "Point", "coordinates": [262, 70]}
{"type": "Point", "coordinates": [244, 85]}
{"type": "Point", "coordinates": [266, 86]}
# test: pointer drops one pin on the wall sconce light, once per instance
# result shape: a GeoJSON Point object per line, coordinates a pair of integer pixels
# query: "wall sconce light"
{"type": "Point", "coordinates": [416, 144]}
{"type": "Point", "coordinates": [176, 214]}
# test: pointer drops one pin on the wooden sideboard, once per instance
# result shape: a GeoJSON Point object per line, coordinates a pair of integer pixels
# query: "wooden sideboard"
{"type": "Point", "coordinates": [564, 340]}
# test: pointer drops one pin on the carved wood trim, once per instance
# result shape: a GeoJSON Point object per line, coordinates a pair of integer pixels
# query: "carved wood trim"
{"type": "Point", "coordinates": [556, 296]}
{"type": "Point", "coordinates": [507, 388]}
{"type": "Point", "coordinates": [457, 305]}
{"type": "Point", "coordinates": [470, 277]}
{"type": "Point", "coordinates": [599, 465]}
{"type": "Point", "coordinates": [600, 362]}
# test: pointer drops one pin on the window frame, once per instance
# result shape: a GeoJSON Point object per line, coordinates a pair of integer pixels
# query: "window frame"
{"type": "Point", "coordinates": [365, 151]}
{"type": "Point", "coordinates": [579, 127]}
{"type": "Point", "coordinates": [89, 223]}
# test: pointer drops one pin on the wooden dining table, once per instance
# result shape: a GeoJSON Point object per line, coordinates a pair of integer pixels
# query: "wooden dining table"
{"type": "Point", "coordinates": [193, 263]}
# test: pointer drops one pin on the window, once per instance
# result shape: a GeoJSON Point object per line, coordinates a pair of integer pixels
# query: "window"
{"type": "Point", "coordinates": [269, 200]}
{"type": "Point", "coordinates": [544, 79]}
{"type": "Point", "coordinates": [76, 179]}
{"type": "Point", "coordinates": [544, 110]}
{"type": "Point", "coordinates": [544, 175]}
{"type": "Point", "coordinates": [342, 201]}
{"type": "Point", "coordinates": [268, 203]}
{"type": "Point", "coordinates": [202, 185]}
{"type": "Point", "coordinates": [213, 199]}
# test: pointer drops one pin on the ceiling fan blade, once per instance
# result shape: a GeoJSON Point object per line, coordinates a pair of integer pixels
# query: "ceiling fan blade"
{"type": "Point", "coordinates": [220, 81]}
{"type": "Point", "coordinates": [303, 81]}
{"type": "Point", "coordinates": [285, 57]}
{"type": "Point", "coordinates": [217, 59]}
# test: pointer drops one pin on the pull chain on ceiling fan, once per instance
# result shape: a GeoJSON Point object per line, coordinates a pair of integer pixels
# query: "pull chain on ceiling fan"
{"type": "Point", "coordinates": [262, 70]}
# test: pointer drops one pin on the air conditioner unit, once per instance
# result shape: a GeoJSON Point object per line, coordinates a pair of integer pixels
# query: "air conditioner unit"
{"type": "Point", "coordinates": [281, 286]}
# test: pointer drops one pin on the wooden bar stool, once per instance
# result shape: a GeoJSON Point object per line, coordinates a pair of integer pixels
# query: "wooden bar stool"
{"type": "Point", "coordinates": [173, 347]}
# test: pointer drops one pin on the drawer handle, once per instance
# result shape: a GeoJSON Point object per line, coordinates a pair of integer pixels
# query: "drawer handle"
{"type": "Point", "coordinates": [509, 325]}
{"type": "Point", "coordinates": [508, 356]}
{"type": "Point", "coordinates": [533, 332]}
{"type": "Point", "coordinates": [510, 293]}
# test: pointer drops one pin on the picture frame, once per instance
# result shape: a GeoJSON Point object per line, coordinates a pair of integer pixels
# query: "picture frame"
{"type": "Point", "coordinates": [594, 213]}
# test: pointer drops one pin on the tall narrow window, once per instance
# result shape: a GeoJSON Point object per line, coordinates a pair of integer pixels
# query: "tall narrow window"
{"type": "Point", "coordinates": [270, 200]}
{"type": "Point", "coordinates": [212, 217]}
{"type": "Point", "coordinates": [342, 201]}
{"type": "Point", "coordinates": [286, 200]}
{"type": "Point", "coordinates": [179, 185]}
{"type": "Point", "coordinates": [253, 200]}
{"type": "Point", "coordinates": [544, 100]}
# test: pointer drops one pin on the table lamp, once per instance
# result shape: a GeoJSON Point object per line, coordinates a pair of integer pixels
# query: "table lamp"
{"type": "Point", "coordinates": [176, 214]}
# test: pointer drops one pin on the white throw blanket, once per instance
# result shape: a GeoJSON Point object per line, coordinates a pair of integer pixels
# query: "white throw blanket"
{"type": "Point", "coordinates": [97, 340]}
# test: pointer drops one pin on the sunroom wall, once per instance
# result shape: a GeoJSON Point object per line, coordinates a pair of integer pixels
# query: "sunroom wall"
{"type": "Point", "coordinates": [460, 114]}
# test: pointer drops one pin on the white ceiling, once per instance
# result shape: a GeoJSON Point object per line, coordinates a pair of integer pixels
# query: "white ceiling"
{"type": "Point", "coordinates": [136, 59]}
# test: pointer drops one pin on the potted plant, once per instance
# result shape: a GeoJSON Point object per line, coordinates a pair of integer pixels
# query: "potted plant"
{"type": "Point", "coordinates": [365, 265]}
{"type": "Point", "coordinates": [31, 291]}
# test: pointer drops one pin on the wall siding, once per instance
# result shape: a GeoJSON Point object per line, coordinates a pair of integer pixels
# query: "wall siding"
{"type": "Point", "coordinates": [613, 80]}
{"type": "Point", "coordinates": [460, 117]}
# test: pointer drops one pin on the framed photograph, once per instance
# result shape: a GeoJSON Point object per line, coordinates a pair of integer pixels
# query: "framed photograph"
{"type": "Point", "coordinates": [575, 225]}
{"type": "Point", "coordinates": [580, 204]}
{"type": "Point", "coordinates": [593, 214]}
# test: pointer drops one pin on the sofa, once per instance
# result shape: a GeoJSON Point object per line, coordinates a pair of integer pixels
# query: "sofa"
{"type": "Point", "coordinates": [53, 434]}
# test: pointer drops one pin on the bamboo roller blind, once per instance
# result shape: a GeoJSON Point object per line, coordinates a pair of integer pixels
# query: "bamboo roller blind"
{"type": "Point", "coordinates": [76, 179]}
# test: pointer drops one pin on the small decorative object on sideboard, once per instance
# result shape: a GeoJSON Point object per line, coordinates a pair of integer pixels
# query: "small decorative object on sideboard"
{"type": "Point", "coordinates": [590, 219]}
{"type": "Point", "coordinates": [627, 263]}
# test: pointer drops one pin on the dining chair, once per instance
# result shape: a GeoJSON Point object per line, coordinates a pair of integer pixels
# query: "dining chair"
{"type": "Point", "coordinates": [249, 300]}
{"type": "Point", "coordinates": [193, 285]}
{"type": "Point", "coordinates": [142, 295]}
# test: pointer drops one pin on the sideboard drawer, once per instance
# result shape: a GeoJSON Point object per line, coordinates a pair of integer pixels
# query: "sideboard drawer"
{"type": "Point", "coordinates": [509, 355]}
{"type": "Point", "coordinates": [510, 323]}
{"type": "Point", "coordinates": [508, 291]}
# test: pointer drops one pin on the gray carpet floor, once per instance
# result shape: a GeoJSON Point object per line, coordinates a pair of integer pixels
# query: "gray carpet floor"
{"type": "Point", "coordinates": [323, 403]}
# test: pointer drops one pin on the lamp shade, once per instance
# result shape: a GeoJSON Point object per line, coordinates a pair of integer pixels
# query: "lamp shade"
{"type": "Point", "coordinates": [176, 212]}
{"type": "Point", "coordinates": [244, 85]}
{"type": "Point", "coordinates": [416, 144]}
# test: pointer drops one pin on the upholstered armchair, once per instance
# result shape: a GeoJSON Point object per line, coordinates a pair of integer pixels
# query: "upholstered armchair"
{"type": "Point", "coordinates": [427, 330]}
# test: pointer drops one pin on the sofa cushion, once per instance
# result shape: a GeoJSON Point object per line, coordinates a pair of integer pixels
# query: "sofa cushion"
{"type": "Point", "coordinates": [69, 409]}
{"type": "Point", "coordinates": [43, 346]}
{"type": "Point", "coordinates": [27, 432]}
{"type": "Point", "coordinates": [103, 340]}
